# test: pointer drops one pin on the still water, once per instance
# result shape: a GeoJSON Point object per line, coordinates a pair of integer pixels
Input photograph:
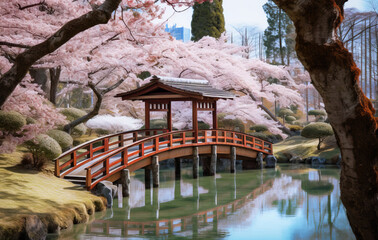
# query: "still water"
{"type": "Point", "coordinates": [289, 202]}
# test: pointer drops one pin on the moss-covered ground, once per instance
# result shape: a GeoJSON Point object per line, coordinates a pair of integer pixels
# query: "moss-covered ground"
{"type": "Point", "coordinates": [24, 192]}
{"type": "Point", "coordinates": [305, 147]}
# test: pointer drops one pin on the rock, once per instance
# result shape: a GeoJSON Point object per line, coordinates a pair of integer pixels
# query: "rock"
{"type": "Point", "coordinates": [270, 161]}
{"type": "Point", "coordinates": [34, 228]}
{"type": "Point", "coordinates": [107, 190]}
{"type": "Point", "coordinates": [296, 159]}
{"type": "Point", "coordinates": [316, 161]}
{"type": "Point", "coordinates": [260, 159]}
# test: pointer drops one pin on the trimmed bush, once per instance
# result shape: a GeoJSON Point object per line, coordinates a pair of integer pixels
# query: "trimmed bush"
{"type": "Point", "coordinates": [42, 148]}
{"type": "Point", "coordinates": [259, 128]}
{"type": "Point", "coordinates": [64, 139]}
{"type": "Point", "coordinates": [235, 124]}
{"type": "Point", "coordinates": [295, 128]}
{"type": "Point", "coordinates": [202, 125]}
{"type": "Point", "coordinates": [30, 120]}
{"type": "Point", "coordinates": [317, 130]}
{"type": "Point", "coordinates": [285, 112]}
{"type": "Point", "coordinates": [11, 121]}
{"type": "Point", "coordinates": [79, 130]}
{"type": "Point", "coordinates": [260, 135]}
{"type": "Point", "coordinates": [72, 113]}
{"type": "Point", "coordinates": [317, 112]}
{"type": "Point", "coordinates": [290, 119]}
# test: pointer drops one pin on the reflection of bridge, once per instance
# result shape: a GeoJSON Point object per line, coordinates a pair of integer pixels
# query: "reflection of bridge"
{"type": "Point", "coordinates": [114, 157]}
{"type": "Point", "coordinates": [195, 222]}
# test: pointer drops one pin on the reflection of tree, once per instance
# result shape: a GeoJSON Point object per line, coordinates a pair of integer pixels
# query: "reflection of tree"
{"type": "Point", "coordinates": [288, 206]}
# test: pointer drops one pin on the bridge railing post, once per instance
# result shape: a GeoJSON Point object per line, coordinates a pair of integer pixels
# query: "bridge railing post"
{"type": "Point", "coordinates": [106, 165]}
{"type": "Point", "coordinates": [88, 180]}
{"type": "Point", "coordinates": [156, 144]}
{"type": "Point", "coordinates": [73, 157]}
{"type": "Point", "coordinates": [57, 168]}
{"type": "Point", "coordinates": [170, 140]}
{"type": "Point", "coordinates": [183, 138]}
{"type": "Point", "coordinates": [125, 159]}
{"type": "Point", "coordinates": [121, 141]}
{"type": "Point", "coordinates": [135, 136]}
{"type": "Point", "coordinates": [106, 144]}
{"type": "Point", "coordinates": [90, 151]}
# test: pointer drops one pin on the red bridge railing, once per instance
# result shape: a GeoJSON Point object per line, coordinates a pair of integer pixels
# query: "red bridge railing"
{"type": "Point", "coordinates": [125, 156]}
{"type": "Point", "coordinates": [96, 148]}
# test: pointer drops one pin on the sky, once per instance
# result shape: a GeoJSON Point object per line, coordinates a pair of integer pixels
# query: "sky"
{"type": "Point", "coordinates": [239, 13]}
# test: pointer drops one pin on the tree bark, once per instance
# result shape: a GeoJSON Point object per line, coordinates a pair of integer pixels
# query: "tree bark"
{"type": "Point", "coordinates": [336, 76]}
{"type": "Point", "coordinates": [54, 79]}
{"type": "Point", "coordinates": [23, 62]}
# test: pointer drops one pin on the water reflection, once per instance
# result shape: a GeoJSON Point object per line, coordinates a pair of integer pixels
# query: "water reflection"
{"type": "Point", "coordinates": [282, 203]}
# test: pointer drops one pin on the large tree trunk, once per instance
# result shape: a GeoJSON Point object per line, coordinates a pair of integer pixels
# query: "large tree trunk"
{"type": "Point", "coordinates": [335, 76]}
{"type": "Point", "coordinates": [23, 62]}
{"type": "Point", "coordinates": [54, 79]}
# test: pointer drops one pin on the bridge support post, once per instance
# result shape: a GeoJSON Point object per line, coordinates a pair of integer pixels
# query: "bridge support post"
{"type": "Point", "coordinates": [147, 177]}
{"type": "Point", "coordinates": [195, 162]}
{"type": "Point", "coordinates": [125, 181]}
{"type": "Point", "coordinates": [233, 159]}
{"type": "Point", "coordinates": [213, 163]}
{"type": "Point", "coordinates": [155, 171]}
{"type": "Point", "coordinates": [177, 168]}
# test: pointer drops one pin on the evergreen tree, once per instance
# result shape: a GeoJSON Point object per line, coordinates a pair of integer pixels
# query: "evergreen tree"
{"type": "Point", "coordinates": [279, 36]}
{"type": "Point", "coordinates": [207, 20]}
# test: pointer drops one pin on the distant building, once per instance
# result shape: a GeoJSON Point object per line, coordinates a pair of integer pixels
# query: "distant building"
{"type": "Point", "coordinates": [180, 33]}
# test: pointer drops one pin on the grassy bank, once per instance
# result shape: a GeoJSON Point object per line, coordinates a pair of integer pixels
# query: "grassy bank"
{"type": "Point", "coordinates": [305, 147]}
{"type": "Point", "coordinates": [28, 196]}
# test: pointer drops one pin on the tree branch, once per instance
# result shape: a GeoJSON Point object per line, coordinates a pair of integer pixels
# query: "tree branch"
{"type": "Point", "coordinates": [8, 44]}
{"type": "Point", "coordinates": [13, 77]}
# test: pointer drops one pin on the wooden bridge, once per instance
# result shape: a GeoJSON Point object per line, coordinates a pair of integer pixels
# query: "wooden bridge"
{"type": "Point", "coordinates": [114, 156]}
{"type": "Point", "coordinates": [105, 157]}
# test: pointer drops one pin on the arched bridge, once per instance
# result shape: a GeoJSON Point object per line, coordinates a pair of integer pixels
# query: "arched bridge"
{"type": "Point", "coordinates": [104, 158]}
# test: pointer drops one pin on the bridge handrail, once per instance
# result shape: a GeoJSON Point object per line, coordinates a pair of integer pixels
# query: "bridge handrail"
{"type": "Point", "coordinates": [105, 145]}
{"type": "Point", "coordinates": [156, 143]}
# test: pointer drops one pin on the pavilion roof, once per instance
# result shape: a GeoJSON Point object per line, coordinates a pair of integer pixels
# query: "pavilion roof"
{"type": "Point", "coordinates": [169, 88]}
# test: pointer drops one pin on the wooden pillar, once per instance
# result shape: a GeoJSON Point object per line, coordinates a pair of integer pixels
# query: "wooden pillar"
{"type": "Point", "coordinates": [177, 168]}
{"type": "Point", "coordinates": [233, 159]}
{"type": "Point", "coordinates": [147, 115]}
{"type": "Point", "coordinates": [155, 171]}
{"type": "Point", "coordinates": [125, 181]}
{"type": "Point", "coordinates": [147, 177]}
{"type": "Point", "coordinates": [195, 162]}
{"type": "Point", "coordinates": [195, 120]}
{"type": "Point", "coordinates": [215, 120]}
{"type": "Point", "coordinates": [169, 116]}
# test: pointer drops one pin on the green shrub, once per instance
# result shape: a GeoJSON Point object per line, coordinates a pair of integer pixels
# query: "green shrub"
{"type": "Point", "coordinates": [44, 146]}
{"type": "Point", "coordinates": [260, 135]}
{"type": "Point", "coordinates": [299, 123]}
{"type": "Point", "coordinates": [11, 121]}
{"type": "Point", "coordinates": [30, 120]}
{"type": "Point", "coordinates": [285, 112]}
{"type": "Point", "coordinates": [202, 125]}
{"type": "Point", "coordinates": [235, 124]}
{"type": "Point", "coordinates": [102, 132]}
{"type": "Point", "coordinates": [259, 128]}
{"type": "Point", "coordinates": [317, 130]}
{"type": "Point", "coordinates": [79, 130]}
{"type": "Point", "coordinates": [295, 128]}
{"type": "Point", "coordinates": [64, 139]}
{"type": "Point", "coordinates": [317, 112]}
{"type": "Point", "coordinates": [72, 113]}
{"type": "Point", "coordinates": [290, 119]}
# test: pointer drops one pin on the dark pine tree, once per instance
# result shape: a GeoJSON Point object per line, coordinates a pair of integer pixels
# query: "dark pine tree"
{"type": "Point", "coordinates": [279, 36]}
{"type": "Point", "coordinates": [207, 20]}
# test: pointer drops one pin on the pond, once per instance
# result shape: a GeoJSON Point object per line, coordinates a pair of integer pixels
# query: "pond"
{"type": "Point", "coordinates": [289, 202]}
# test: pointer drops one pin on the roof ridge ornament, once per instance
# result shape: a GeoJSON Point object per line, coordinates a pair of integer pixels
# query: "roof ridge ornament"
{"type": "Point", "coordinates": [180, 80]}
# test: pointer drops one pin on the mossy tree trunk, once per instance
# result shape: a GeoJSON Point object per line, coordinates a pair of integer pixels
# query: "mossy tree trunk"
{"type": "Point", "coordinates": [336, 76]}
